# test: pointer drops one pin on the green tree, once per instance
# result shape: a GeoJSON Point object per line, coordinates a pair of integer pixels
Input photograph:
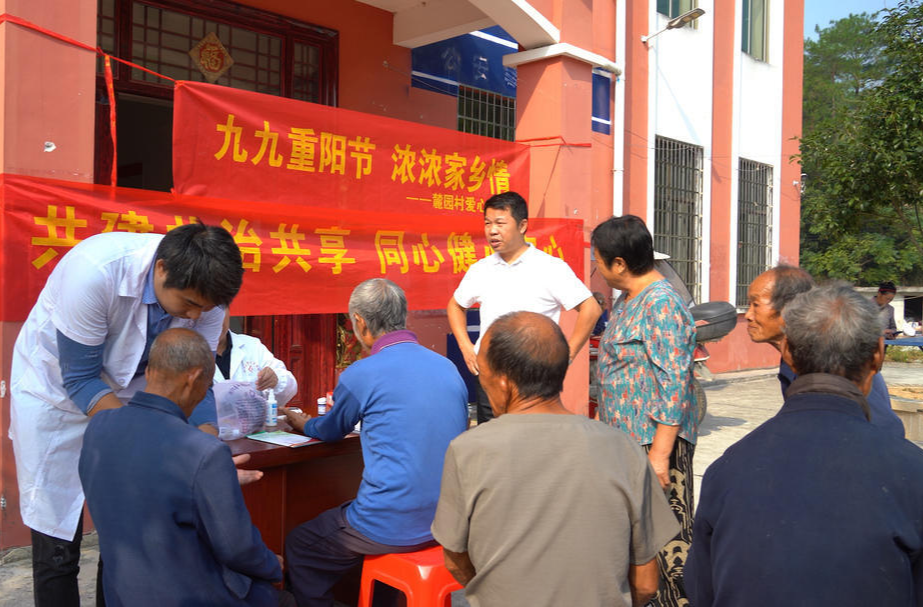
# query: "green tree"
{"type": "Point", "coordinates": [846, 60]}
{"type": "Point", "coordinates": [862, 149]}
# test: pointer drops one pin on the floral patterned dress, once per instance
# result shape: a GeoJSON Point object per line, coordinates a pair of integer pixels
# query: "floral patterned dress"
{"type": "Point", "coordinates": [645, 365]}
{"type": "Point", "coordinates": [645, 378]}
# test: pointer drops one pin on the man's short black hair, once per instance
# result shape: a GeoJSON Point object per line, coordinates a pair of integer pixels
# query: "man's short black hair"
{"type": "Point", "coordinates": [887, 287]}
{"type": "Point", "coordinates": [530, 350]}
{"type": "Point", "coordinates": [787, 283]}
{"type": "Point", "coordinates": [509, 201]}
{"type": "Point", "coordinates": [626, 237]}
{"type": "Point", "coordinates": [203, 258]}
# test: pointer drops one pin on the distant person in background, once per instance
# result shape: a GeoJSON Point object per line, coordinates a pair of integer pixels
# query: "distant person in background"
{"type": "Point", "coordinates": [245, 358]}
{"type": "Point", "coordinates": [886, 293]}
{"type": "Point", "coordinates": [769, 294]}
{"type": "Point", "coordinates": [645, 377]}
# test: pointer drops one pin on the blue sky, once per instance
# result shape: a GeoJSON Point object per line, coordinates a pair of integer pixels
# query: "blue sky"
{"type": "Point", "coordinates": [821, 12]}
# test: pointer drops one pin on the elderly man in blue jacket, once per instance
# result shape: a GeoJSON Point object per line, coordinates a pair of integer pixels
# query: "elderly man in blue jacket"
{"type": "Point", "coordinates": [412, 403]}
{"type": "Point", "coordinates": [173, 527]}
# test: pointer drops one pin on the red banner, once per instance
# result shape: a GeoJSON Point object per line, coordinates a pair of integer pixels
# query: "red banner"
{"type": "Point", "coordinates": [250, 146]}
{"type": "Point", "coordinates": [298, 259]}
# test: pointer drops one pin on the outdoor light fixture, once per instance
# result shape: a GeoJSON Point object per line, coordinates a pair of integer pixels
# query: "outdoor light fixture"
{"type": "Point", "coordinates": [677, 22]}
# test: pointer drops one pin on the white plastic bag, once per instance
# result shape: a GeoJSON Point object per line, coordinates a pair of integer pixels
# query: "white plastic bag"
{"type": "Point", "coordinates": [241, 409]}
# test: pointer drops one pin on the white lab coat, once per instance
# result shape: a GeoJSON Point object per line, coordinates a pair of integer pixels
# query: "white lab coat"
{"type": "Point", "coordinates": [93, 296]}
{"type": "Point", "coordinates": [248, 356]}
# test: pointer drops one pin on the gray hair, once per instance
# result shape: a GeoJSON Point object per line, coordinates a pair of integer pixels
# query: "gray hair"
{"type": "Point", "coordinates": [832, 329]}
{"type": "Point", "coordinates": [177, 351]}
{"type": "Point", "coordinates": [381, 303]}
{"type": "Point", "coordinates": [788, 282]}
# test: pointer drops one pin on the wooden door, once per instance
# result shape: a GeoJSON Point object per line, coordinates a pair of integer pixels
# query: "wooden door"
{"type": "Point", "coordinates": [307, 344]}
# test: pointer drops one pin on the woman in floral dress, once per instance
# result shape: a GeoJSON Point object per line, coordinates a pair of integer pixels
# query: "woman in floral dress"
{"type": "Point", "coordinates": [645, 377]}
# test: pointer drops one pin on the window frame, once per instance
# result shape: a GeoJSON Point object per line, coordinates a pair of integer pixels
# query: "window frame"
{"type": "Point", "coordinates": [681, 176]}
{"type": "Point", "coordinates": [232, 15]}
{"type": "Point", "coordinates": [674, 8]}
{"type": "Point", "coordinates": [500, 104]}
{"type": "Point", "coordinates": [747, 28]}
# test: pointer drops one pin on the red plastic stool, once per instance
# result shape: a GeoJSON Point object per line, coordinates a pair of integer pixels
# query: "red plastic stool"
{"type": "Point", "coordinates": [421, 576]}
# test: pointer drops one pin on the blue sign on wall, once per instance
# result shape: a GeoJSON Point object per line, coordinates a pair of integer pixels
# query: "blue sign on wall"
{"type": "Point", "coordinates": [602, 92]}
{"type": "Point", "coordinates": [474, 59]}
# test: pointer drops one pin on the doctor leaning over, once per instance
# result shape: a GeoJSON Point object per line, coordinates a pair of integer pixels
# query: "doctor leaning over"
{"type": "Point", "coordinates": [84, 349]}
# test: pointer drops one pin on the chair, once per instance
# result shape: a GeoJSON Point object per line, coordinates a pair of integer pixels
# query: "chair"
{"type": "Point", "coordinates": [421, 576]}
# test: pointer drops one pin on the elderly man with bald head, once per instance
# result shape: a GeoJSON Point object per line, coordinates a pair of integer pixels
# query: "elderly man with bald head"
{"type": "Point", "coordinates": [540, 506]}
{"type": "Point", "coordinates": [769, 294]}
{"type": "Point", "coordinates": [165, 498]}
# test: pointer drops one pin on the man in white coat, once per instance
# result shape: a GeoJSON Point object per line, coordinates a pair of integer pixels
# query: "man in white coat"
{"type": "Point", "coordinates": [245, 358]}
{"type": "Point", "coordinates": [84, 349]}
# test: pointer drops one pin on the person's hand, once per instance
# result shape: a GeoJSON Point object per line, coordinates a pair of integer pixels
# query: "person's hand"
{"type": "Point", "coordinates": [295, 419]}
{"type": "Point", "coordinates": [281, 561]}
{"type": "Point", "coordinates": [471, 358]}
{"type": "Point", "coordinates": [266, 379]}
{"type": "Point", "coordinates": [245, 477]}
{"type": "Point", "coordinates": [661, 465]}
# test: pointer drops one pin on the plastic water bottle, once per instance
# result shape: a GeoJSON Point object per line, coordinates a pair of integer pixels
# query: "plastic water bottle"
{"type": "Point", "coordinates": [272, 409]}
{"type": "Point", "coordinates": [321, 405]}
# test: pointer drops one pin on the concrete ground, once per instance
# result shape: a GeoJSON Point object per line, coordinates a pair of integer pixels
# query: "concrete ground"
{"type": "Point", "coordinates": [737, 403]}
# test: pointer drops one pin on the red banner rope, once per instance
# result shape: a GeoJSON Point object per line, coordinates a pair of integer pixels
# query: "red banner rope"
{"type": "Point", "coordinates": [110, 90]}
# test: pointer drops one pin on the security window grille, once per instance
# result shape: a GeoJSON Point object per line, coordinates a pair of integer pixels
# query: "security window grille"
{"type": "Point", "coordinates": [755, 26]}
{"type": "Point", "coordinates": [481, 112]}
{"type": "Point", "coordinates": [270, 55]}
{"type": "Point", "coordinates": [754, 225]}
{"type": "Point", "coordinates": [678, 209]}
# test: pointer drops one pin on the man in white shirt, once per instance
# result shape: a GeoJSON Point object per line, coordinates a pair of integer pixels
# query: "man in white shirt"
{"type": "Point", "coordinates": [516, 277]}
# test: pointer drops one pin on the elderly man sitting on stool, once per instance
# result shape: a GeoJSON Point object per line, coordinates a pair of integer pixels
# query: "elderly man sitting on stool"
{"type": "Point", "coordinates": [173, 527]}
{"type": "Point", "coordinates": [411, 402]}
{"type": "Point", "coordinates": [543, 507]}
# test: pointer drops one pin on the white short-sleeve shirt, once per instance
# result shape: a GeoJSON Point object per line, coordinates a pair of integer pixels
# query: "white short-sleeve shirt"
{"type": "Point", "coordinates": [535, 282]}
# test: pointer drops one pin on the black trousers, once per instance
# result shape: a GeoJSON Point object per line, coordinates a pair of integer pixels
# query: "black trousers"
{"type": "Point", "coordinates": [55, 565]}
{"type": "Point", "coordinates": [319, 552]}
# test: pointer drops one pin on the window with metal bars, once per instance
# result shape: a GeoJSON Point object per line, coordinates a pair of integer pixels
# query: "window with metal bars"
{"type": "Point", "coordinates": [485, 113]}
{"type": "Point", "coordinates": [271, 54]}
{"type": "Point", "coordinates": [754, 225]}
{"type": "Point", "coordinates": [678, 209]}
